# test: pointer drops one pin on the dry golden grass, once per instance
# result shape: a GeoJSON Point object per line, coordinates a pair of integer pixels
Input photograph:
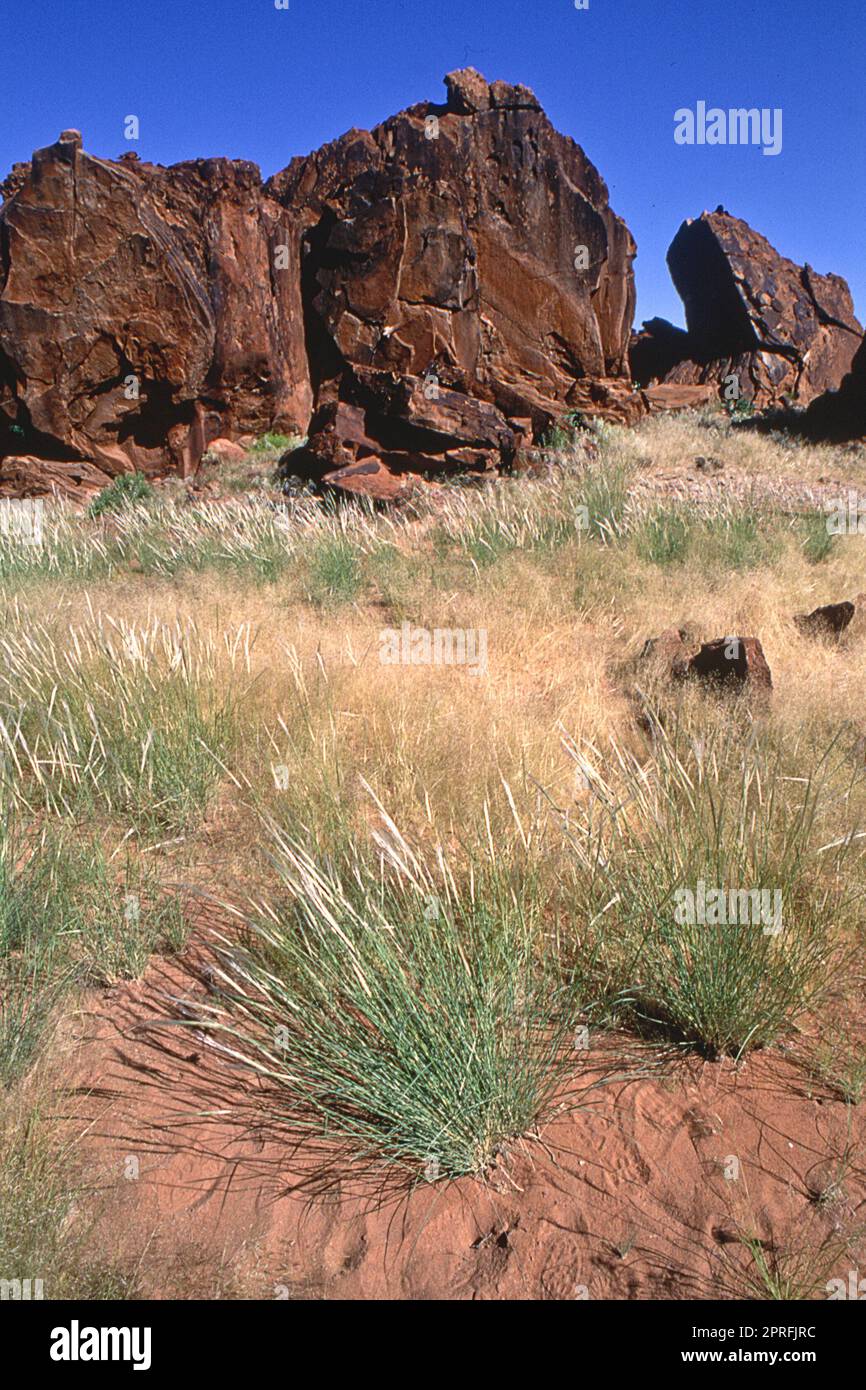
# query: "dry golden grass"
{"type": "Point", "coordinates": [291, 609]}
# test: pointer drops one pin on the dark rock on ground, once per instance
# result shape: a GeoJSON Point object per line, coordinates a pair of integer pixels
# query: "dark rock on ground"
{"type": "Point", "coordinates": [839, 416]}
{"type": "Point", "coordinates": [831, 620]}
{"type": "Point", "coordinates": [732, 662]}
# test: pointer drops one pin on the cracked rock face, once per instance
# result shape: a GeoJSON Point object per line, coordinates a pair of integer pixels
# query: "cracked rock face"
{"type": "Point", "coordinates": [782, 329]}
{"type": "Point", "coordinates": [465, 248]}
{"type": "Point", "coordinates": [468, 247]}
{"type": "Point", "coordinates": [140, 311]}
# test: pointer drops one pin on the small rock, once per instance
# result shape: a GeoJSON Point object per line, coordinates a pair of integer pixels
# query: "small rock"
{"type": "Point", "coordinates": [226, 451]}
{"type": "Point", "coordinates": [829, 621]}
{"type": "Point", "coordinates": [732, 662]}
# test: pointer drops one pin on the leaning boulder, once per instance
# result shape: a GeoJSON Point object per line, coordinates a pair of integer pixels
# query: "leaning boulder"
{"type": "Point", "coordinates": [782, 330]}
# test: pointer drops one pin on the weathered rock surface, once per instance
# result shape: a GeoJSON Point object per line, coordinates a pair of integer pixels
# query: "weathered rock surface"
{"type": "Point", "coordinates": [455, 275]}
{"type": "Point", "coordinates": [26, 475]}
{"type": "Point", "coordinates": [782, 329]}
{"type": "Point", "coordinates": [670, 652]}
{"type": "Point", "coordinates": [831, 619]}
{"type": "Point", "coordinates": [226, 451]}
{"type": "Point", "coordinates": [141, 313]}
{"type": "Point", "coordinates": [467, 249]}
{"type": "Point", "coordinates": [432, 295]}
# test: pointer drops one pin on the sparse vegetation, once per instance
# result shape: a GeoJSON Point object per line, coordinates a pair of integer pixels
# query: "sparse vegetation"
{"type": "Point", "coordinates": [192, 701]}
{"type": "Point", "coordinates": [126, 489]}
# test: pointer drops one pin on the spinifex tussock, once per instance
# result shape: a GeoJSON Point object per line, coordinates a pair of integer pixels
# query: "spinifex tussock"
{"type": "Point", "coordinates": [386, 1004]}
{"type": "Point", "coordinates": [127, 718]}
{"type": "Point", "coordinates": [70, 915]}
{"type": "Point", "coordinates": [717, 814]}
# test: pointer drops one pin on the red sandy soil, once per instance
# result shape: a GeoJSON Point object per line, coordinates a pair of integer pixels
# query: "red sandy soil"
{"type": "Point", "coordinates": [624, 1198]}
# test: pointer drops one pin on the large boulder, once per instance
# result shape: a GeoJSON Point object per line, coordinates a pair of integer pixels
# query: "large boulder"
{"type": "Point", "coordinates": [783, 330]}
{"type": "Point", "coordinates": [456, 254]}
{"type": "Point", "coordinates": [143, 310]}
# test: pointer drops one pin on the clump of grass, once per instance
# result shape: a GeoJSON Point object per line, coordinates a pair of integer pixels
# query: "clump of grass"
{"type": "Point", "coordinates": [719, 812]}
{"type": "Point", "coordinates": [131, 720]}
{"type": "Point", "coordinates": [336, 575]}
{"type": "Point", "coordinates": [817, 540]}
{"type": "Point", "coordinates": [604, 489]}
{"type": "Point", "coordinates": [69, 917]}
{"type": "Point", "coordinates": [126, 489]}
{"type": "Point", "coordinates": [272, 443]}
{"type": "Point", "coordinates": [796, 1271]}
{"type": "Point", "coordinates": [740, 540]}
{"type": "Point", "coordinates": [840, 1061]}
{"type": "Point", "coordinates": [665, 537]}
{"type": "Point", "coordinates": [43, 1231]}
{"type": "Point", "coordinates": [385, 1006]}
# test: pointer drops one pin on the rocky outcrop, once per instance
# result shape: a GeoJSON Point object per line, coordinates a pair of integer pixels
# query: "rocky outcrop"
{"type": "Point", "coordinates": [455, 275]}
{"type": "Point", "coordinates": [143, 311]}
{"type": "Point", "coordinates": [783, 330]}
{"type": "Point", "coordinates": [459, 254]}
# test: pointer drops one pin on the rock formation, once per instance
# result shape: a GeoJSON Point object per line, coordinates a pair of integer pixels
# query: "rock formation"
{"type": "Point", "coordinates": [141, 313]}
{"type": "Point", "coordinates": [465, 281]}
{"type": "Point", "coordinates": [783, 330]}
{"type": "Point", "coordinates": [841, 415]}
{"type": "Point", "coordinates": [452, 281]}
{"type": "Point", "coordinates": [423, 299]}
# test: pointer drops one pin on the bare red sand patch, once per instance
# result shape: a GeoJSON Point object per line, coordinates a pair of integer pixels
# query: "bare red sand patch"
{"type": "Point", "coordinates": [641, 1194]}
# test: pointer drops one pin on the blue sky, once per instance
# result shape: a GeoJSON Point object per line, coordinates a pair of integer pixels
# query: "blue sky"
{"type": "Point", "coordinates": [240, 78]}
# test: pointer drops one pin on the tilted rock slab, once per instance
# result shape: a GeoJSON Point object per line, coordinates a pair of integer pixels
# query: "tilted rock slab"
{"type": "Point", "coordinates": [782, 329]}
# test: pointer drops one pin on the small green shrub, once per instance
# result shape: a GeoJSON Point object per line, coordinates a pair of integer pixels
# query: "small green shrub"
{"type": "Point", "coordinates": [126, 489]}
{"type": "Point", "coordinates": [272, 444]}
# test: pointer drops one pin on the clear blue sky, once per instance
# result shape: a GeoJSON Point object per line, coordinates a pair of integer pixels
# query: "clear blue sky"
{"type": "Point", "coordinates": [240, 78]}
